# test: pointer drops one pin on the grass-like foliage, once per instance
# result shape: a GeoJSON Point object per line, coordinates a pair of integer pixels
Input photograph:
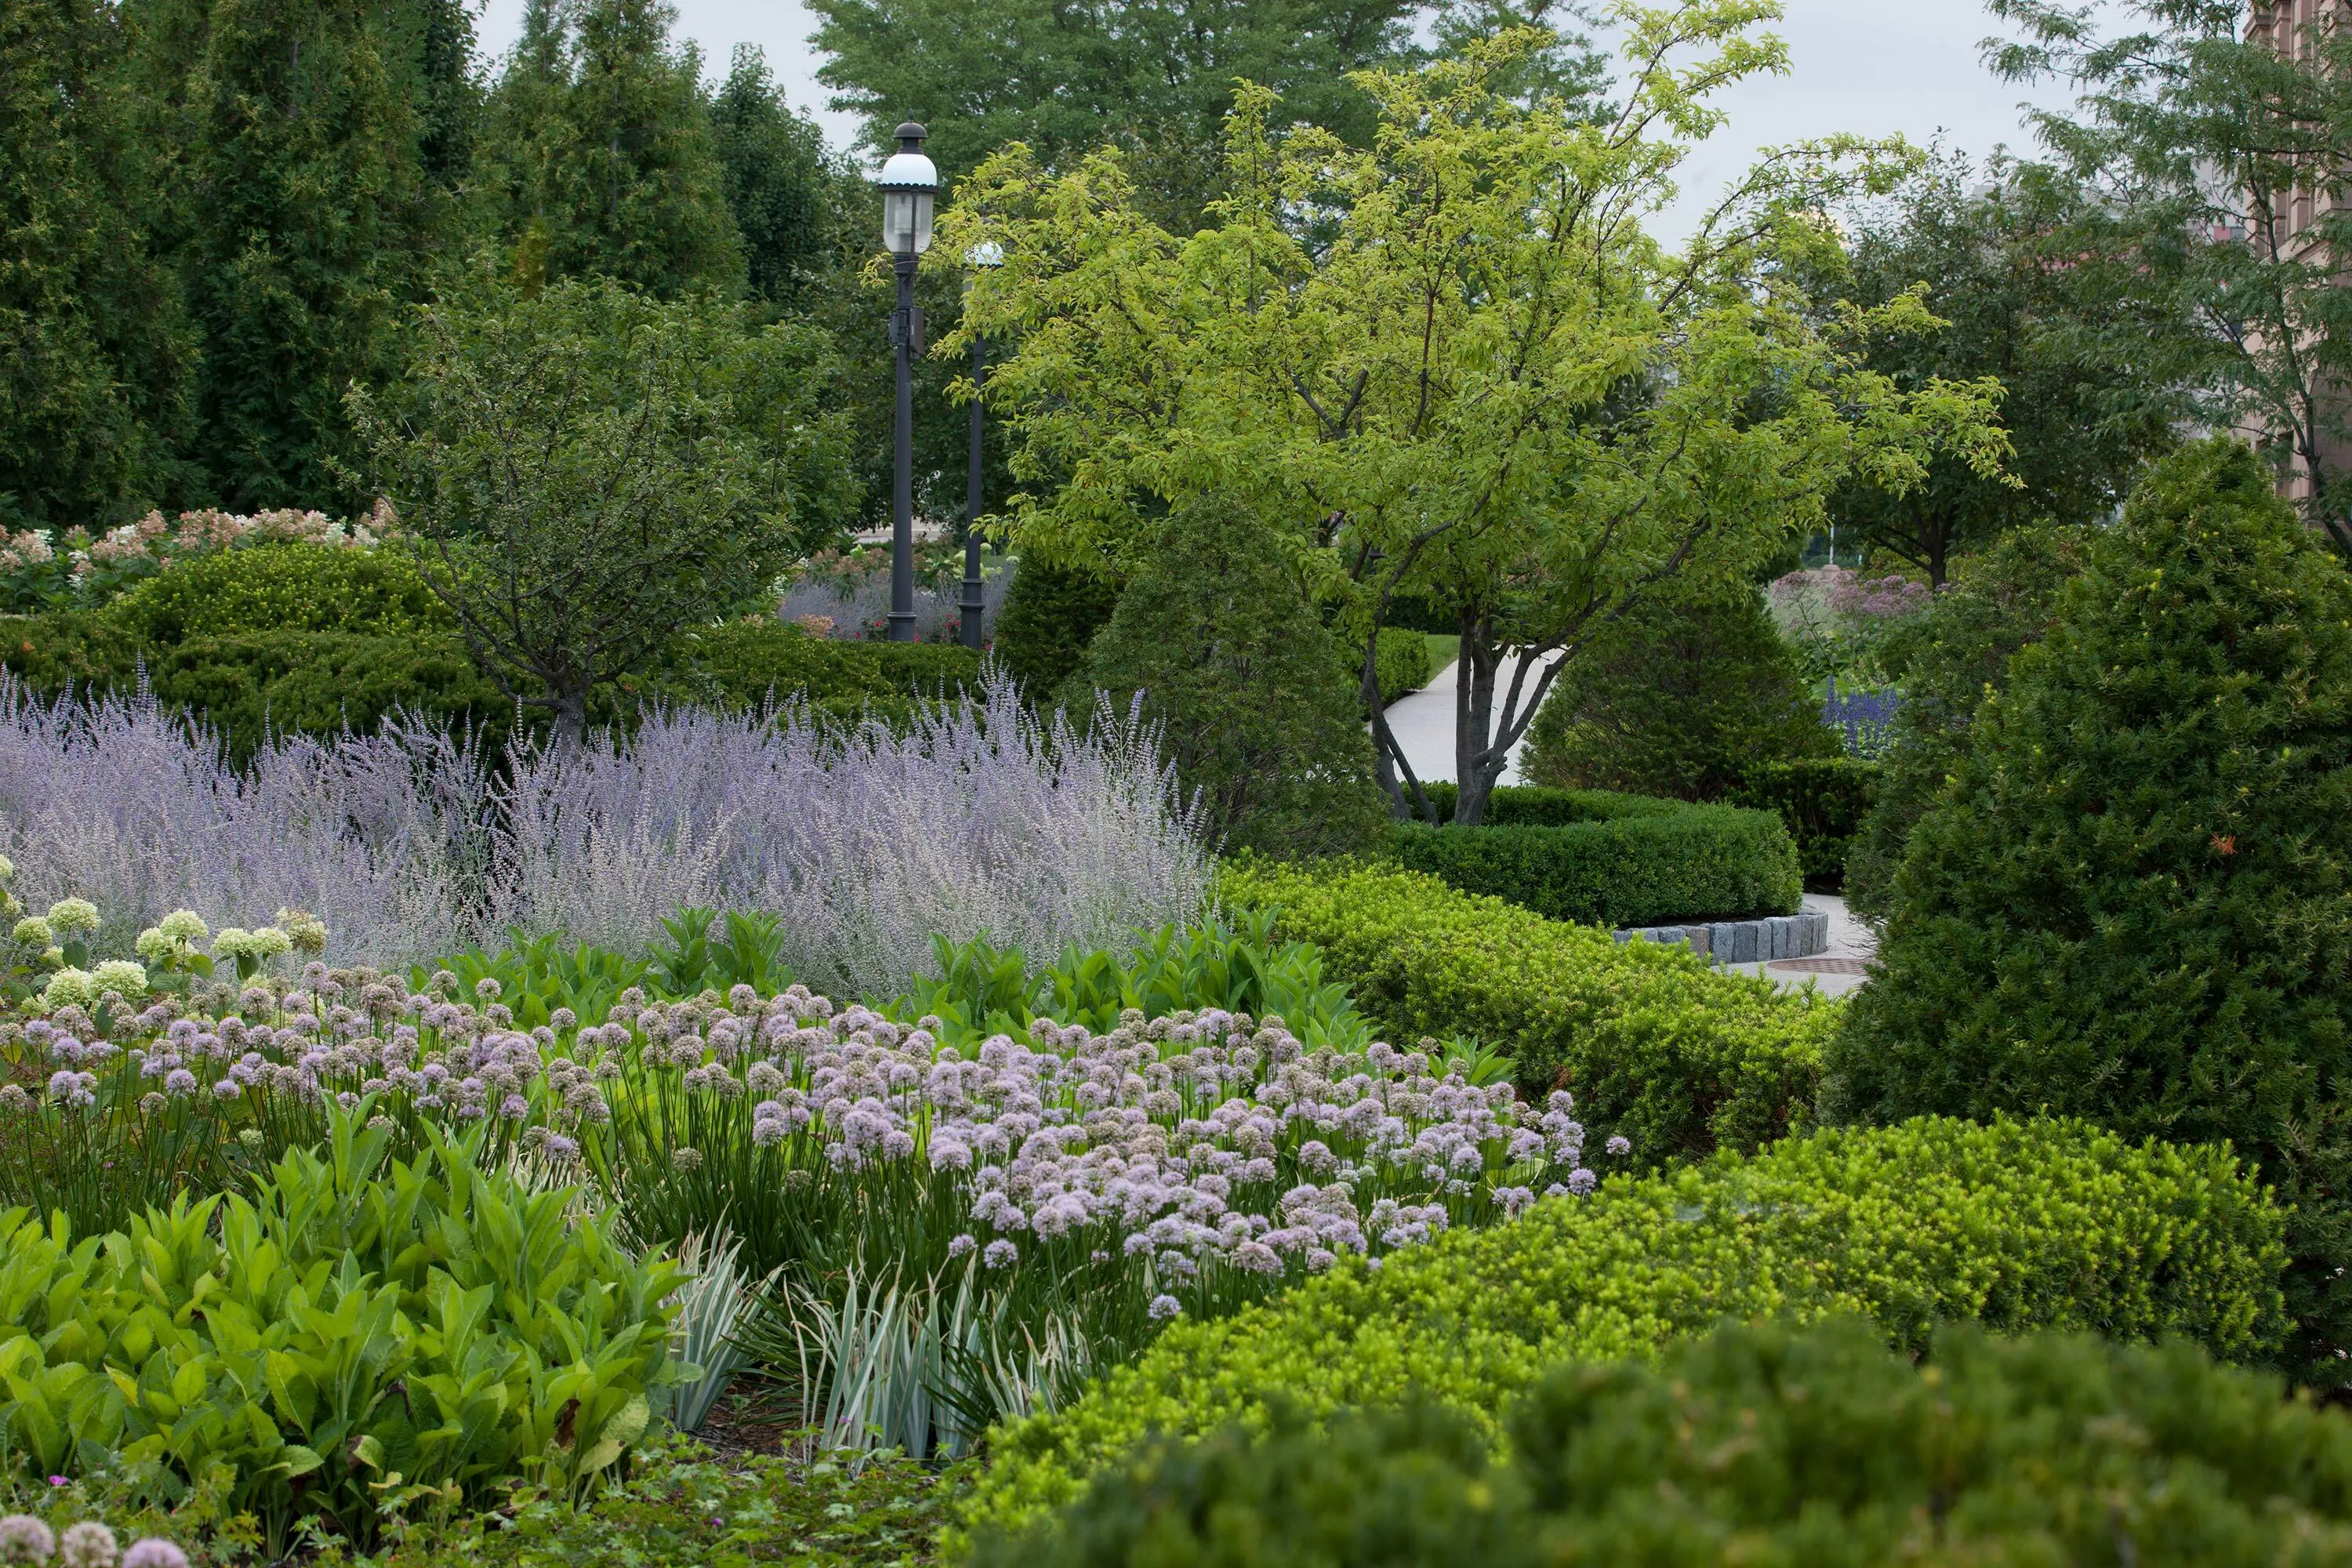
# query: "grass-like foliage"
{"type": "Point", "coordinates": [2133, 902]}
{"type": "Point", "coordinates": [1766, 1443]}
{"type": "Point", "coordinates": [2018, 1225]}
{"type": "Point", "coordinates": [1679, 1059]}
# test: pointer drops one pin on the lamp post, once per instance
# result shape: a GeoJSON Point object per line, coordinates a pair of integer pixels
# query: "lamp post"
{"type": "Point", "coordinates": [986, 254]}
{"type": "Point", "coordinates": [910, 185]}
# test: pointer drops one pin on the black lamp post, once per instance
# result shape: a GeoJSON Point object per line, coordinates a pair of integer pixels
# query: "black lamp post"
{"type": "Point", "coordinates": [986, 254]}
{"type": "Point", "coordinates": [910, 185]}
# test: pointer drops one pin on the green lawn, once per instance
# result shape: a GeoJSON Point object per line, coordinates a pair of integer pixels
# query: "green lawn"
{"type": "Point", "coordinates": [1444, 647]}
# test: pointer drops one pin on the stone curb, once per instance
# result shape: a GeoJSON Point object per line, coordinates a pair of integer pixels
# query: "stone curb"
{"type": "Point", "coordinates": [1745, 941]}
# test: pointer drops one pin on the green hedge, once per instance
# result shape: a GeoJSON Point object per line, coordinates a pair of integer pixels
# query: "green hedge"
{"type": "Point", "coordinates": [1823, 801]}
{"type": "Point", "coordinates": [2018, 1225]}
{"type": "Point", "coordinates": [1533, 806]}
{"type": "Point", "coordinates": [1706, 862]}
{"type": "Point", "coordinates": [316, 683]}
{"type": "Point", "coordinates": [1655, 1046]}
{"type": "Point", "coordinates": [1767, 1443]}
{"type": "Point", "coordinates": [1401, 665]}
{"type": "Point", "coordinates": [741, 664]}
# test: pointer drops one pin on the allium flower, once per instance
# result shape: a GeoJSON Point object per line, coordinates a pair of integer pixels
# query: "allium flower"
{"type": "Point", "coordinates": [69, 917]}
{"type": "Point", "coordinates": [229, 1088]}
{"type": "Point", "coordinates": [1581, 1181]}
{"type": "Point", "coordinates": [960, 1245]}
{"type": "Point", "coordinates": [1164, 1308]}
{"type": "Point", "coordinates": [1620, 1144]}
{"type": "Point", "coordinates": [999, 1254]}
{"type": "Point", "coordinates": [686, 1157]}
{"type": "Point", "coordinates": [154, 1553]}
{"type": "Point", "coordinates": [179, 1081]}
{"type": "Point", "coordinates": [24, 1538]}
{"type": "Point", "coordinates": [89, 1544]}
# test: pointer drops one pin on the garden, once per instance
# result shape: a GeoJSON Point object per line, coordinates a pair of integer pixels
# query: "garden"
{"type": "Point", "coordinates": [533, 1030]}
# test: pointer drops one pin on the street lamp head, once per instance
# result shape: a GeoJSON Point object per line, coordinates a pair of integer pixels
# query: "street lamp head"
{"type": "Point", "coordinates": [986, 255]}
{"type": "Point", "coordinates": [910, 186]}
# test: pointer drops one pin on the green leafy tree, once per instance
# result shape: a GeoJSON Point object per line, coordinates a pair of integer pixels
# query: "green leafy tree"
{"type": "Point", "coordinates": [1448, 365]}
{"type": "Point", "coordinates": [95, 379]}
{"type": "Point", "coordinates": [587, 471]}
{"type": "Point", "coordinates": [2133, 902]}
{"type": "Point", "coordinates": [1215, 634]}
{"type": "Point", "coordinates": [2218, 152]}
{"type": "Point", "coordinates": [1947, 659]}
{"type": "Point", "coordinates": [1677, 698]}
{"type": "Point", "coordinates": [2094, 371]}
{"type": "Point", "coordinates": [600, 156]}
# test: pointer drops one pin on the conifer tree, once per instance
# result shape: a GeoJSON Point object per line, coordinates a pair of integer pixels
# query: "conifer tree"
{"type": "Point", "coordinates": [95, 369]}
{"type": "Point", "coordinates": [782, 188]}
{"type": "Point", "coordinates": [2133, 901]}
{"type": "Point", "coordinates": [600, 158]}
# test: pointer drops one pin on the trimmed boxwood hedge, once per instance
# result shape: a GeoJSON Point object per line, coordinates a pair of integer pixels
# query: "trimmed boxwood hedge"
{"type": "Point", "coordinates": [1611, 859]}
{"type": "Point", "coordinates": [2017, 1224]}
{"type": "Point", "coordinates": [742, 663]}
{"type": "Point", "coordinates": [1772, 1442]}
{"type": "Point", "coordinates": [1680, 1059]}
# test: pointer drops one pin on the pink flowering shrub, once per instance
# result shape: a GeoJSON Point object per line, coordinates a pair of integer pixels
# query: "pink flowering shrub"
{"type": "Point", "coordinates": [1838, 618]}
{"type": "Point", "coordinates": [39, 572]}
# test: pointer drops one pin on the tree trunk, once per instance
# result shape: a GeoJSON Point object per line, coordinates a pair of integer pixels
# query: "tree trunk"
{"type": "Point", "coordinates": [1474, 770]}
{"type": "Point", "coordinates": [571, 714]}
{"type": "Point", "coordinates": [1388, 754]}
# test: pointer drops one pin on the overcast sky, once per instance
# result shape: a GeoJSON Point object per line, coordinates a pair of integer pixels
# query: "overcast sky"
{"type": "Point", "coordinates": [1873, 67]}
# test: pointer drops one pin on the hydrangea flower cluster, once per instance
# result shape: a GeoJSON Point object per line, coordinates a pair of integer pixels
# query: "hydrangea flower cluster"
{"type": "Point", "coordinates": [1194, 1156]}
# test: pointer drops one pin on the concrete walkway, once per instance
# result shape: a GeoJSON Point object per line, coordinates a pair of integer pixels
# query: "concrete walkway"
{"type": "Point", "coordinates": [1842, 967]}
{"type": "Point", "coordinates": [1422, 722]}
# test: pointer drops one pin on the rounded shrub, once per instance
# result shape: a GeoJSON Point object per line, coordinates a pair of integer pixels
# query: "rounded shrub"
{"type": "Point", "coordinates": [288, 587]}
{"type": "Point", "coordinates": [1768, 1442]}
{"type": "Point", "coordinates": [2016, 1224]}
{"type": "Point", "coordinates": [746, 663]}
{"type": "Point", "coordinates": [2133, 902]}
{"type": "Point", "coordinates": [1676, 699]}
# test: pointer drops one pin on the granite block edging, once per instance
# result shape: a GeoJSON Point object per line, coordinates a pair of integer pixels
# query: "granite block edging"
{"type": "Point", "coordinates": [1744, 941]}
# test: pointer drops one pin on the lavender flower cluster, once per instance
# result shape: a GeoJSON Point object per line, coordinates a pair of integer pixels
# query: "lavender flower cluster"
{"type": "Point", "coordinates": [1198, 1151]}
{"type": "Point", "coordinates": [1865, 719]}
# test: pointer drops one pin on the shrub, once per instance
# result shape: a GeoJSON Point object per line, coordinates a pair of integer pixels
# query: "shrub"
{"type": "Point", "coordinates": [1657, 1048]}
{"type": "Point", "coordinates": [2134, 901]}
{"type": "Point", "coordinates": [2020, 1225]}
{"type": "Point", "coordinates": [322, 683]}
{"type": "Point", "coordinates": [70, 650]}
{"type": "Point", "coordinates": [1676, 700]}
{"type": "Point", "coordinates": [1216, 640]}
{"type": "Point", "coordinates": [1050, 616]}
{"type": "Point", "coordinates": [1770, 1442]}
{"type": "Point", "coordinates": [1823, 801]}
{"type": "Point", "coordinates": [745, 663]}
{"type": "Point", "coordinates": [1402, 663]}
{"type": "Point", "coordinates": [355, 1319]}
{"type": "Point", "coordinates": [1699, 863]}
{"type": "Point", "coordinates": [1948, 658]}
{"type": "Point", "coordinates": [294, 588]}
{"type": "Point", "coordinates": [1534, 805]}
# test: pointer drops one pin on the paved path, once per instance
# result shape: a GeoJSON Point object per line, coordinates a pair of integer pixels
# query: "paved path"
{"type": "Point", "coordinates": [1851, 946]}
{"type": "Point", "coordinates": [1422, 722]}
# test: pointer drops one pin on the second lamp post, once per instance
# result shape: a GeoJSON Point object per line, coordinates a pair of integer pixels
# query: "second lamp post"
{"type": "Point", "coordinates": [910, 187]}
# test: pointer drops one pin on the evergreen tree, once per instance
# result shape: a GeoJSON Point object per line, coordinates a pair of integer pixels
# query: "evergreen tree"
{"type": "Point", "coordinates": [600, 158]}
{"type": "Point", "coordinates": [1255, 694]}
{"type": "Point", "coordinates": [2133, 902]}
{"type": "Point", "coordinates": [784, 191]}
{"type": "Point", "coordinates": [95, 372]}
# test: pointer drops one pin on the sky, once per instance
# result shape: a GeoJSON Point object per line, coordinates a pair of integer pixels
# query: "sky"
{"type": "Point", "coordinates": [1876, 68]}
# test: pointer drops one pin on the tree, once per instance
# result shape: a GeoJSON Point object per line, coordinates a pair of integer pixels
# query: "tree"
{"type": "Point", "coordinates": [588, 470]}
{"type": "Point", "coordinates": [288, 194]}
{"type": "Point", "coordinates": [786, 193]}
{"type": "Point", "coordinates": [1156, 79]}
{"type": "Point", "coordinates": [1947, 659]}
{"type": "Point", "coordinates": [2093, 370]}
{"type": "Point", "coordinates": [1216, 635]}
{"type": "Point", "coordinates": [601, 159]}
{"type": "Point", "coordinates": [2133, 901]}
{"type": "Point", "coordinates": [1677, 698]}
{"type": "Point", "coordinates": [2221, 157]}
{"type": "Point", "coordinates": [94, 385]}
{"type": "Point", "coordinates": [1481, 384]}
